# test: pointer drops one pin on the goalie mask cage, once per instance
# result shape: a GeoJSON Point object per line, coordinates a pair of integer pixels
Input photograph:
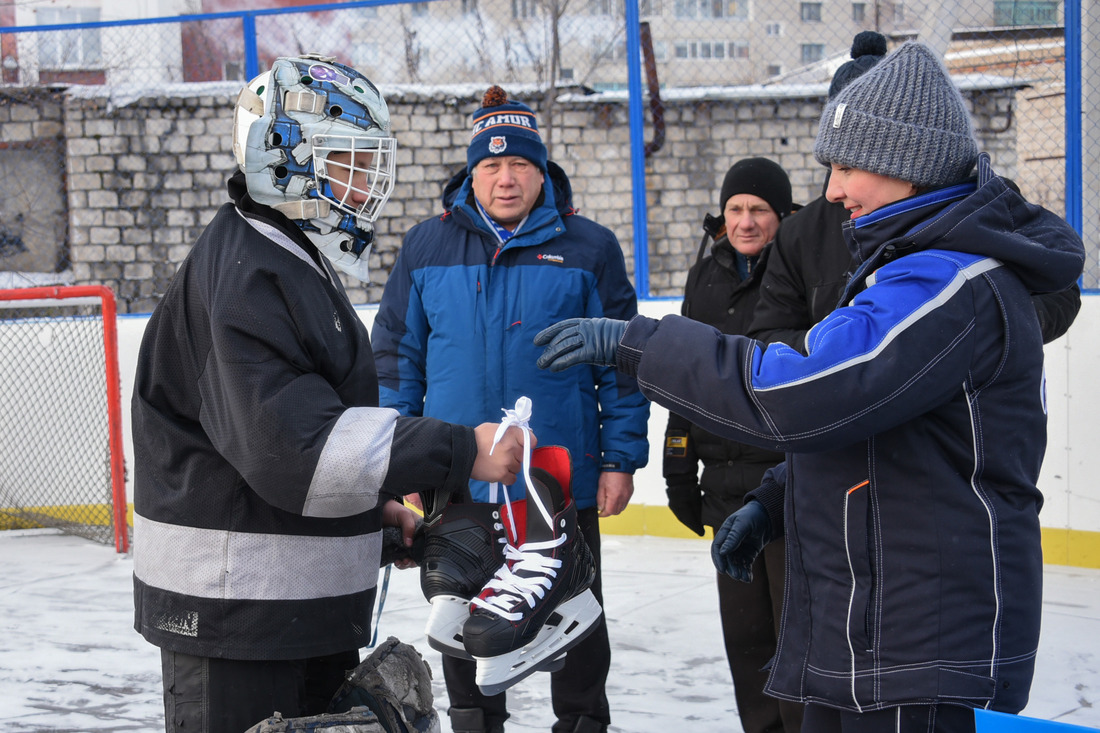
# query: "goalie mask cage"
{"type": "Point", "coordinates": [61, 452]}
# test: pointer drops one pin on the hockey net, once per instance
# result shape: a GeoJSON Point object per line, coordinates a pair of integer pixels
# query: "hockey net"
{"type": "Point", "coordinates": [61, 451]}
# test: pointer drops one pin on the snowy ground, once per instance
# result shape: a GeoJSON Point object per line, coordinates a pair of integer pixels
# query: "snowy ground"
{"type": "Point", "coordinates": [70, 660]}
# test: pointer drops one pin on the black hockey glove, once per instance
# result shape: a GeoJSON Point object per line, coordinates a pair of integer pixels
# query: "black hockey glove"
{"type": "Point", "coordinates": [580, 341]}
{"type": "Point", "coordinates": [394, 549]}
{"type": "Point", "coordinates": [740, 539]}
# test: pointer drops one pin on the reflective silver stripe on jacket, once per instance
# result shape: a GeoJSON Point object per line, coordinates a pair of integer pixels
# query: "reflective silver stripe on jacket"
{"type": "Point", "coordinates": [353, 463]}
{"type": "Point", "coordinates": [216, 563]}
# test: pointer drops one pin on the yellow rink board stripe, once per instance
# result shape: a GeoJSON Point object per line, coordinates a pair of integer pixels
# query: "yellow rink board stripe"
{"type": "Point", "coordinates": [1073, 547]}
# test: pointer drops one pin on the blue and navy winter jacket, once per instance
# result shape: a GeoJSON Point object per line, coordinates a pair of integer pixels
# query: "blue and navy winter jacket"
{"type": "Point", "coordinates": [454, 333]}
{"type": "Point", "coordinates": [915, 426]}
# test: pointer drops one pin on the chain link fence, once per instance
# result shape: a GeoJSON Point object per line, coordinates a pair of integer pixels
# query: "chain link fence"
{"type": "Point", "coordinates": [116, 128]}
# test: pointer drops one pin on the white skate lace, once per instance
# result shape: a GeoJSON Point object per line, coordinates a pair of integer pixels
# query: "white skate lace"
{"type": "Point", "coordinates": [508, 588]}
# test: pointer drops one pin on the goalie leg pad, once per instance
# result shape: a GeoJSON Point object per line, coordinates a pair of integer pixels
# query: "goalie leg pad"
{"type": "Point", "coordinates": [395, 683]}
{"type": "Point", "coordinates": [357, 720]}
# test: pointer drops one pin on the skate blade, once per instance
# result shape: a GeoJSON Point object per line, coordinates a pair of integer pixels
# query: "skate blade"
{"type": "Point", "coordinates": [570, 623]}
{"type": "Point", "coordinates": [444, 627]}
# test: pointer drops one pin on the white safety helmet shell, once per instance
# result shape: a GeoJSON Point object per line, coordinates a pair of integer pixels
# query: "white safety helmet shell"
{"type": "Point", "coordinates": [291, 126]}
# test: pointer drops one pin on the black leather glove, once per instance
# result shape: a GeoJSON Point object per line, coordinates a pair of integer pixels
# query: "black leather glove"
{"type": "Point", "coordinates": [580, 341]}
{"type": "Point", "coordinates": [740, 539]}
{"type": "Point", "coordinates": [686, 502]}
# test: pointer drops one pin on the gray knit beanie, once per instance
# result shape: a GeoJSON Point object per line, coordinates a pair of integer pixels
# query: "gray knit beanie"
{"type": "Point", "coordinates": [904, 119]}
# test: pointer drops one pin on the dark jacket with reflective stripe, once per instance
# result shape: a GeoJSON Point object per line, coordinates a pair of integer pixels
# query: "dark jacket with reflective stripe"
{"type": "Point", "coordinates": [260, 455]}
{"type": "Point", "coordinates": [915, 428]}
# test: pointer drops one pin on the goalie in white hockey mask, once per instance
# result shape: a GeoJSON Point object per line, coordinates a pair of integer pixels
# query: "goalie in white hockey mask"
{"type": "Point", "coordinates": [312, 137]}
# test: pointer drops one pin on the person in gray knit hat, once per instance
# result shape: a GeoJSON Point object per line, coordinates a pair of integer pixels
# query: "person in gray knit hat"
{"type": "Point", "coordinates": [913, 421]}
{"type": "Point", "coordinates": [903, 119]}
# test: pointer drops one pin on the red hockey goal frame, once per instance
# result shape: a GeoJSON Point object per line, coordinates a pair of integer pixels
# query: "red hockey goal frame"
{"type": "Point", "coordinates": [38, 307]}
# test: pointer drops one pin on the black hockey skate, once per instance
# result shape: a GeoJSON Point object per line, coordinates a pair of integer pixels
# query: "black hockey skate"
{"type": "Point", "coordinates": [463, 548]}
{"type": "Point", "coordinates": [538, 606]}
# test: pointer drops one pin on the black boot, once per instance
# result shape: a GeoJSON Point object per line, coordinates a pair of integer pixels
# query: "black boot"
{"type": "Point", "coordinates": [586, 724]}
{"type": "Point", "coordinates": [472, 720]}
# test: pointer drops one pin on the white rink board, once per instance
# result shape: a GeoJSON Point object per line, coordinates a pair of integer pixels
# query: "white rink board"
{"type": "Point", "coordinates": [1073, 395]}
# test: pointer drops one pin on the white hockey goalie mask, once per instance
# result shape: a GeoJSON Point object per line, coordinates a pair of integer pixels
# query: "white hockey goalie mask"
{"type": "Point", "coordinates": [312, 137]}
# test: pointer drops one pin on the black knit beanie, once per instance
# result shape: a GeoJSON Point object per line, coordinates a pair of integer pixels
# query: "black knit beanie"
{"type": "Point", "coordinates": [760, 177]}
{"type": "Point", "coordinates": [868, 48]}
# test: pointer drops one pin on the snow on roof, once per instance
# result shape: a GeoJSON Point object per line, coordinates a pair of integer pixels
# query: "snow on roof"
{"type": "Point", "coordinates": [125, 95]}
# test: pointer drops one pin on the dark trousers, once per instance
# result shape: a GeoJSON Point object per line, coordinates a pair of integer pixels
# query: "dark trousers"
{"type": "Point", "coordinates": [750, 615]}
{"type": "Point", "coordinates": [577, 689]}
{"type": "Point", "coordinates": [903, 719]}
{"type": "Point", "coordinates": [206, 695]}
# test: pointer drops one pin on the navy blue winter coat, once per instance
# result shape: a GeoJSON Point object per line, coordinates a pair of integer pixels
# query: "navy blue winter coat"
{"type": "Point", "coordinates": [453, 338]}
{"type": "Point", "coordinates": [915, 427]}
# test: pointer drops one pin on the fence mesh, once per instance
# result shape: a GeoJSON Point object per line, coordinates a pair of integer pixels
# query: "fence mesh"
{"type": "Point", "coordinates": [696, 46]}
{"type": "Point", "coordinates": [55, 459]}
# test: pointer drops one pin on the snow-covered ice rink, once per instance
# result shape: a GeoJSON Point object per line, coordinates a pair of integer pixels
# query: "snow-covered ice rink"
{"type": "Point", "coordinates": [71, 661]}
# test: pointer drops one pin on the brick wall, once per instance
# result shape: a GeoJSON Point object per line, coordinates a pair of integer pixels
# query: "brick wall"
{"type": "Point", "coordinates": [146, 175]}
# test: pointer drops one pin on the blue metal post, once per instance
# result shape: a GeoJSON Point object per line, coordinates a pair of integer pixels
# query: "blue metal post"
{"type": "Point", "coordinates": [1074, 168]}
{"type": "Point", "coordinates": [637, 147]}
{"type": "Point", "coordinates": [251, 51]}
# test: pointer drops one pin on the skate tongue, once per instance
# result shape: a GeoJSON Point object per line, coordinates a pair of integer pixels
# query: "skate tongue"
{"type": "Point", "coordinates": [555, 460]}
{"type": "Point", "coordinates": [545, 490]}
{"type": "Point", "coordinates": [517, 527]}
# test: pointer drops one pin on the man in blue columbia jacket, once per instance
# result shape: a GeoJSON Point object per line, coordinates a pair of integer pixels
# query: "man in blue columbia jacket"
{"type": "Point", "coordinates": [453, 340]}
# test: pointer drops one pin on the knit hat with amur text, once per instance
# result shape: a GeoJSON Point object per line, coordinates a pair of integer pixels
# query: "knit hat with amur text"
{"type": "Point", "coordinates": [503, 127]}
{"type": "Point", "coordinates": [904, 119]}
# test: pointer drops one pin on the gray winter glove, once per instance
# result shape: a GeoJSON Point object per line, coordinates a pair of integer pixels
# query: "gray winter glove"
{"type": "Point", "coordinates": [580, 341]}
{"type": "Point", "coordinates": [740, 539]}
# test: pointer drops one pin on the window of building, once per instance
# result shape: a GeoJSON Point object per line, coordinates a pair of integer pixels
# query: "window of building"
{"type": "Point", "coordinates": [78, 48]}
{"type": "Point", "coordinates": [234, 71]}
{"type": "Point", "coordinates": [599, 7]}
{"type": "Point", "coordinates": [773, 29]}
{"type": "Point", "coordinates": [524, 8]}
{"type": "Point", "coordinates": [739, 9]}
{"type": "Point", "coordinates": [899, 12]}
{"type": "Point", "coordinates": [419, 10]}
{"type": "Point", "coordinates": [812, 52]}
{"type": "Point", "coordinates": [565, 74]}
{"type": "Point", "coordinates": [469, 7]}
{"type": "Point", "coordinates": [739, 50]}
{"type": "Point", "coordinates": [705, 50]}
{"type": "Point", "coordinates": [706, 9]}
{"type": "Point", "coordinates": [1024, 12]}
{"type": "Point", "coordinates": [647, 8]}
{"type": "Point", "coordinates": [859, 12]}
{"type": "Point", "coordinates": [811, 12]}
{"type": "Point", "coordinates": [774, 70]}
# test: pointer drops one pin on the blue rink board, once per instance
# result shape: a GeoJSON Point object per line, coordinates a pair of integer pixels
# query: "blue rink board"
{"type": "Point", "coordinates": [986, 721]}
